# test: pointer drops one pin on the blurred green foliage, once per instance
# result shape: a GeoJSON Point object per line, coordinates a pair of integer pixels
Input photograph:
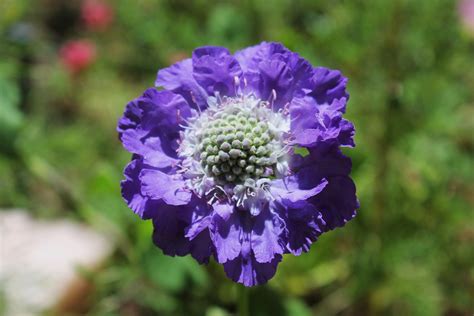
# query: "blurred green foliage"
{"type": "Point", "coordinates": [411, 70]}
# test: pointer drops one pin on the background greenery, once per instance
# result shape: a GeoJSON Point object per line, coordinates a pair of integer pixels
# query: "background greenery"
{"type": "Point", "coordinates": [411, 70]}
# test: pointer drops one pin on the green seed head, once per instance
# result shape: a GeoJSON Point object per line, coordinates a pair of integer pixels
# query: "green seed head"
{"type": "Point", "coordinates": [236, 146]}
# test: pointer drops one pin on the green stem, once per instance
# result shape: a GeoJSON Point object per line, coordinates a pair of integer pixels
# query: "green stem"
{"type": "Point", "coordinates": [243, 301]}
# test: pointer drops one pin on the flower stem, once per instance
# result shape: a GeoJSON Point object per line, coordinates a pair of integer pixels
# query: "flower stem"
{"type": "Point", "coordinates": [243, 301]}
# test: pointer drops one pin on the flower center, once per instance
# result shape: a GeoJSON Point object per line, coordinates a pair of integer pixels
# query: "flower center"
{"type": "Point", "coordinates": [236, 145]}
{"type": "Point", "coordinates": [236, 140]}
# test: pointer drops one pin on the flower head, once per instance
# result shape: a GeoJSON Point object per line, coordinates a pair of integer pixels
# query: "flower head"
{"type": "Point", "coordinates": [96, 14]}
{"type": "Point", "coordinates": [77, 55]}
{"type": "Point", "coordinates": [216, 157]}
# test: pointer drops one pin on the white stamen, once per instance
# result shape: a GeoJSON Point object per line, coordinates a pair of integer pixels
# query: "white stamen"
{"type": "Point", "coordinates": [236, 81]}
{"type": "Point", "coordinates": [207, 183]}
{"type": "Point", "coordinates": [272, 98]}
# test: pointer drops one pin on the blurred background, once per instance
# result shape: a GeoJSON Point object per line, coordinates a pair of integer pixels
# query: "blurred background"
{"type": "Point", "coordinates": [71, 246]}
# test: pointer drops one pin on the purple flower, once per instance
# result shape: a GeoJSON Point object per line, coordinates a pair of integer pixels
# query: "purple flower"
{"type": "Point", "coordinates": [216, 161]}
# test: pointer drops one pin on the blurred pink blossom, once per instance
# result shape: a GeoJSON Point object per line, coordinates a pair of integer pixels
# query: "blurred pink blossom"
{"type": "Point", "coordinates": [96, 14]}
{"type": "Point", "coordinates": [466, 14]}
{"type": "Point", "coordinates": [77, 55]}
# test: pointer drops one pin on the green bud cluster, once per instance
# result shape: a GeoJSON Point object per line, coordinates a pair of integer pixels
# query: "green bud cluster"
{"type": "Point", "coordinates": [236, 146]}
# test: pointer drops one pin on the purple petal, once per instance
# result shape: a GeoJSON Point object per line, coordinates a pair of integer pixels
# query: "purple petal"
{"type": "Point", "coordinates": [168, 233]}
{"type": "Point", "coordinates": [337, 202]}
{"type": "Point", "coordinates": [308, 138]}
{"type": "Point", "coordinates": [200, 220]}
{"type": "Point", "coordinates": [150, 126]}
{"type": "Point", "coordinates": [313, 124]}
{"type": "Point", "coordinates": [213, 51]}
{"type": "Point", "coordinates": [275, 82]}
{"type": "Point", "coordinates": [224, 210]}
{"type": "Point", "coordinates": [197, 227]}
{"type": "Point", "coordinates": [346, 135]}
{"type": "Point", "coordinates": [290, 189]}
{"type": "Point", "coordinates": [303, 226]}
{"type": "Point", "coordinates": [321, 163]}
{"type": "Point", "coordinates": [303, 113]}
{"type": "Point", "coordinates": [250, 57]}
{"type": "Point", "coordinates": [264, 71]}
{"type": "Point", "coordinates": [170, 223]}
{"type": "Point", "coordinates": [215, 70]}
{"type": "Point", "coordinates": [328, 85]}
{"type": "Point", "coordinates": [202, 247]}
{"type": "Point", "coordinates": [131, 191]}
{"type": "Point", "coordinates": [161, 186]}
{"type": "Point", "coordinates": [247, 271]}
{"type": "Point", "coordinates": [179, 79]}
{"type": "Point", "coordinates": [265, 239]}
{"type": "Point", "coordinates": [149, 148]}
{"type": "Point", "coordinates": [226, 236]}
